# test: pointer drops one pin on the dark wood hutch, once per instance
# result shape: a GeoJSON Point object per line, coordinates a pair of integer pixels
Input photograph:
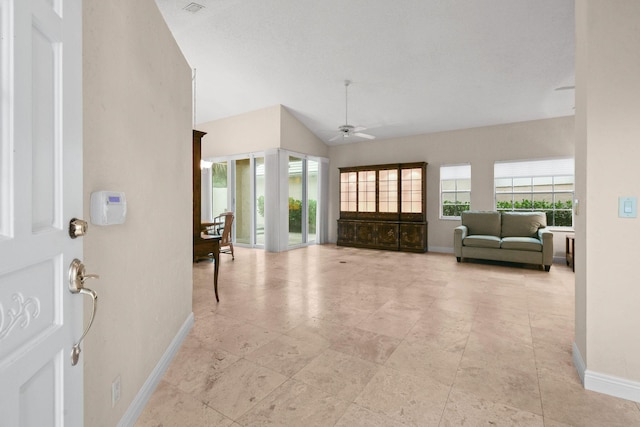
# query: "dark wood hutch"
{"type": "Point", "coordinates": [384, 207]}
{"type": "Point", "coordinates": [203, 246]}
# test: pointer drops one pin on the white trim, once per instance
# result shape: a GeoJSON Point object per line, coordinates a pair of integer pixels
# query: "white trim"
{"type": "Point", "coordinates": [144, 394]}
{"type": "Point", "coordinates": [578, 362]}
{"type": "Point", "coordinates": [606, 384]}
{"type": "Point", "coordinates": [612, 386]}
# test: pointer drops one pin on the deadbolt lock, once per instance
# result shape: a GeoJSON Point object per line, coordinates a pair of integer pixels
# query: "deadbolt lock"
{"type": "Point", "coordinates": [77, 228]}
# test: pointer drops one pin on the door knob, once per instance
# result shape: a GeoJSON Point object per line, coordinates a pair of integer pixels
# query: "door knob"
{"type": "Point", "coordinates": [77, 277]}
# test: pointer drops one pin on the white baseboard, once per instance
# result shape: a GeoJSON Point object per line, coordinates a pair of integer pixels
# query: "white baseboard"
{"type": "Point", "coordinates": [140, 401]}
{"type": "Point", "coordinates": [613, 386]}
{"type": "Point", "coordinates": [605, 384]}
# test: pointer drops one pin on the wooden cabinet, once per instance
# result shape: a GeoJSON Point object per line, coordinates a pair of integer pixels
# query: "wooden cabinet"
{"type": "Point", "coordinates": [202, 247]}
{"type": "Point", "coordinates": [384, 207]}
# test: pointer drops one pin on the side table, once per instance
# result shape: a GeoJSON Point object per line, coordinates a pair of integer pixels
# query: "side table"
{"type": "Point", "coordinates": [570, 251]}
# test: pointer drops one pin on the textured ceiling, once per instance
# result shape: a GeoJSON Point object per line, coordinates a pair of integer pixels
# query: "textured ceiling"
{"type": "Point", "coordinates": [417, 66]}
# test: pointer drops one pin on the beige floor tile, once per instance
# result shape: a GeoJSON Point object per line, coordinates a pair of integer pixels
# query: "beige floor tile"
{"type": "Point", "coordinates": [553, 423]}
{"type": "Point", "coordinates": [426, 359]}
{"type": "Point", "coordinates": [338, 374]}
{"type": "Point", "coordinates": [338, 312]}
{"type": "Point", "coordinates": [555, 361]}
{"type": "Point", "coordinates": [570, 403]}
{"type": "Point", "coordinates": [238, 388]}
{"type": "Point", "coordinates": [366, 345]}
{"type": "Point", "coordinates": [357, 416]}
{"type": "Point", "coordinates": [169, 407]}
{"type": "Point", "coordinates": [195, 365]}
{"type": "Point", "coordinates": [286, 355]}
{"type": "Point", "coordinates": [500, 384]}
{"type": "Point", "coordinates": [508, 314]}
{"type": "Point", "coordinates": [296, 404]}
{"type": "Point", "coordinates": [456, 305]}
{"type": "Point", "coordinates": [343, 322]}
{"type": "Point", "coordinates": [245, 339]}
{"type": "Point", "coordinates": [393, 319]}
{"type": "Point", "coordinates": [210, 328]}
{"type": "Point", "coordinates": [408, 399]}
{"type": "Point", "coordinates": [323, 332]}
{"type": "Point", "coordinates": [501, 343]}
{"type": "Point", "coordinates": [466, 409]}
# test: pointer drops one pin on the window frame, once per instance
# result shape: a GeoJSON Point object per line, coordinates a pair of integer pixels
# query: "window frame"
{"type": "Point", "coordinates": [456, 191]}
{"type": "Point", "coordinates": [553, 170]}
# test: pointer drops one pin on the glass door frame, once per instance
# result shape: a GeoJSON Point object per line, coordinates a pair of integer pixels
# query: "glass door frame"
{"type": "Point", "coordinates": [231, 193]}
{"type": "Point", "coordinates": [286, 154]}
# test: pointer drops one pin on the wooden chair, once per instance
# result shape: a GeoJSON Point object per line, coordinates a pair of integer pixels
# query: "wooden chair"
{"type": "Point", "coordinates": [222, 227]}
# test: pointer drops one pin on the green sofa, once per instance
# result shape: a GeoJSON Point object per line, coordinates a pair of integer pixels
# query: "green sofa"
{"type": "Point", "coordinates": [519, 237]}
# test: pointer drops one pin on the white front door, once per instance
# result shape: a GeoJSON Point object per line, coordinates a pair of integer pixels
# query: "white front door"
{"type": "Point", "coordinates": [40, 191]}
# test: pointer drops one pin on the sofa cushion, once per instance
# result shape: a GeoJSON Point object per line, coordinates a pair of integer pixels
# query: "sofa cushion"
{"type": "Point", "coordinates": [480, 222]}
{"type": "Point", "coordinates": [521, 244]}
{"type": "Point", "coordinates": [522, 224]}
{"type": "Point", "coordinates": [480, 241]}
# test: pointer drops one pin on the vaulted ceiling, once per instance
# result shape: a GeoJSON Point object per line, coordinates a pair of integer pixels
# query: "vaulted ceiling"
{"type": "Point", "coordinates": [416, 66]}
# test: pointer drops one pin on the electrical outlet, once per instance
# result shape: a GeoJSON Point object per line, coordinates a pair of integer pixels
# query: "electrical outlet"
{"type": "Point", "coordinates": [115, 391]}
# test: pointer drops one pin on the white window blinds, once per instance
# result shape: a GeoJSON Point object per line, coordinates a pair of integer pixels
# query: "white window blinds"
{"type": "Point", "coordinates": [534, 168]}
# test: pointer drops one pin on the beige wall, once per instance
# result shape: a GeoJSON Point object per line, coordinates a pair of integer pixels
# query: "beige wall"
{"type": "Point", "coordinates": [297, 137]}
{"type": "Point", "coordinates": [260, 130]}
{"type": "Point", "coordinates": [245, 133]}
{"type": "Point", "coordinates": [608, 94]}
{"type": "Point", "coordinates": [479, 146]}
{"type": "Point", "coordinates": [137, 139]}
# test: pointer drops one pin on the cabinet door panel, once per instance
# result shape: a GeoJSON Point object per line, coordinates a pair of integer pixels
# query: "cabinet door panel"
{"type": "Point", "coordinates": [365, 233]}
{"type": "Point", "coordinates": [387, 235]}
{"type": "Point", "coordinates": [346, 232]}
{"type": "Point", "coordinates": [413, 237]}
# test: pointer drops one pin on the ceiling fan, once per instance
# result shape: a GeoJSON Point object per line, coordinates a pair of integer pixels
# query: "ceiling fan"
{"type": "Point", "coordinates": [347, 130]}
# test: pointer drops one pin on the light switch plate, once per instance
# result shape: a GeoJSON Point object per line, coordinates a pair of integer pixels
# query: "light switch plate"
{"type": "Point", "coordinates": [627, 207]}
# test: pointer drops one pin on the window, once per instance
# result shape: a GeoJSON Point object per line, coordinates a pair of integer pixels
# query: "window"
{"type": "Point", "coordinates": [537, 185]}
{"type": "Point", "coordinates": [455, 190]}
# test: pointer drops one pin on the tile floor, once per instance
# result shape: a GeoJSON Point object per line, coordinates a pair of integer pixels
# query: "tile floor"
{"type": "Point", "coordinates": [330, 336]}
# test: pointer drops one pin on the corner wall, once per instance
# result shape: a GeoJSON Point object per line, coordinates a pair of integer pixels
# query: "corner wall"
{"type": "Point", "coordinates": [607, 289]}
{"type": "Point", "coordinates": [137, 139]}
{"type": "Point", "coordinates": [245, 133]}
{"type": "Point", "coordinates": [481, 147]}
{"type": "Point", "coordinates": [297, 137]}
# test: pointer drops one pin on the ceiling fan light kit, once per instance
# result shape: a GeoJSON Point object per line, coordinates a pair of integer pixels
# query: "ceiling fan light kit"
{"type": "Point", "coordinates": [347, 130]}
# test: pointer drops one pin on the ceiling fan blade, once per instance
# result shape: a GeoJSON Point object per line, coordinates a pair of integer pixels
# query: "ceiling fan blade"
{"type": "Point", "coordinates": [335, 137]}
{"type": "Point", "coordinates": [364, 135]}
{"type": "Point", "coordinates": [359, 129]}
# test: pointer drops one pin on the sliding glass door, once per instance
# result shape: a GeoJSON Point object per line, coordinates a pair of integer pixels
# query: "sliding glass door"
{"type": "Point", "coordinates": [259, 201]}
{"type": "Point", "coordinates": [274, 197]}
{"type": "Point", "coordinates": [303, 200]}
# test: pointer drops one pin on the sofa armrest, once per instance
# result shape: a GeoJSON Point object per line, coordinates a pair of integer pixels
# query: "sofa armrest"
{"type": "Point", "coordinates": [459, 233]}
{"type": "Point", "coordinates": [546, 237]}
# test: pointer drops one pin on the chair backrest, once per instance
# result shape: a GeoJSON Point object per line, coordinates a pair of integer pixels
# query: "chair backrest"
{"type": "Point", "coordinates": [225, 234]}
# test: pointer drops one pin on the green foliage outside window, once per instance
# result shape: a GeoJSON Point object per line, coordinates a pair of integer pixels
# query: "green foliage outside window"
{"type": "Point", "coordinates": [454, 208]}
{"type": "Point", "coordinates": [295, 214]}
{"type": "Point", "coordinates": [219, 175]}
{"type": "Point", "coordinates": [559, 214]}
